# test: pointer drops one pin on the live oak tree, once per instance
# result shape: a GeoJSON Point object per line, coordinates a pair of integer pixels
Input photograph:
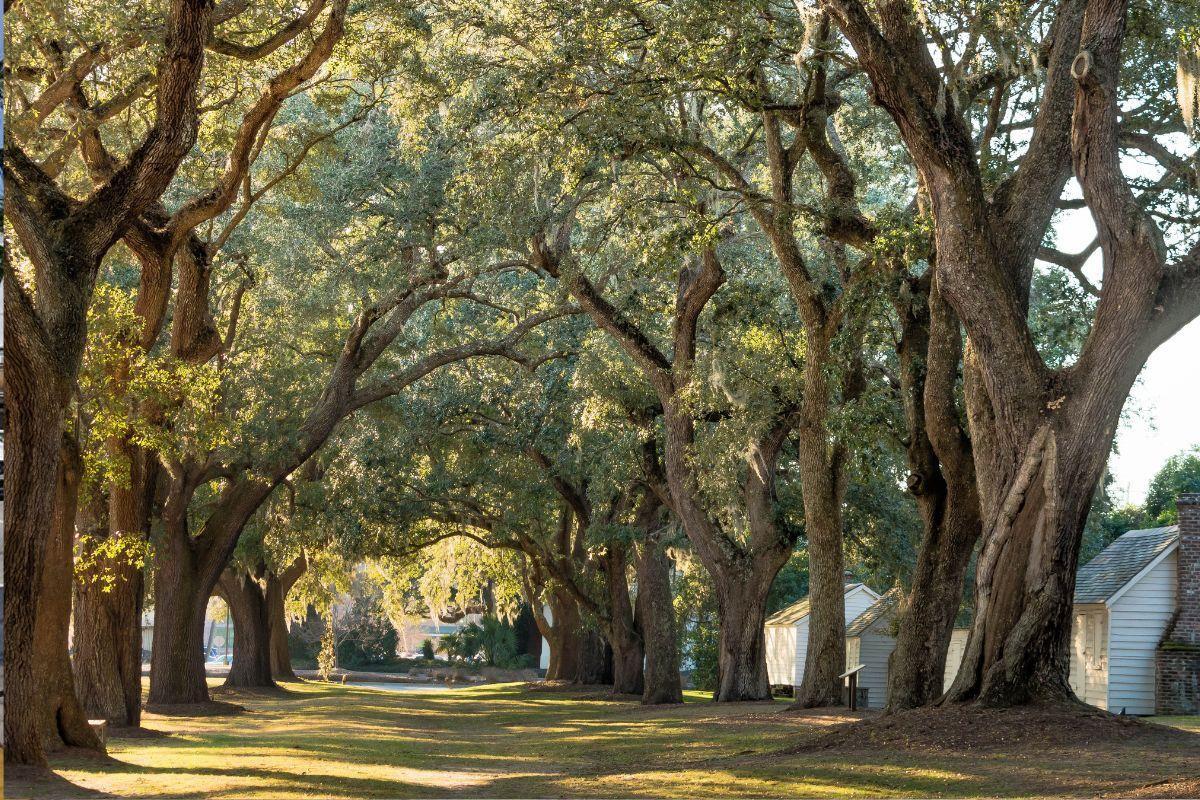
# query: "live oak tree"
{"type": "Point", "coordinates": [389, 338]}
{"type": "Point", "coordinates": [504, 461]}
{"type": "Point", "coordinates": [63, 239]}
{"type": "Point", "coordinates": [168, 247]}
{"type": "Point", "coordinates": [1040, 435]}
{"type": "Point", "coordinates": [735, 109]}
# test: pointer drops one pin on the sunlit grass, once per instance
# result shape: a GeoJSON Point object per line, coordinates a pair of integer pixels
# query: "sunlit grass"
{"type": "Point", "coordinates": [321, 741]}
{"type": "Point", "coordinates": [1184, 723]}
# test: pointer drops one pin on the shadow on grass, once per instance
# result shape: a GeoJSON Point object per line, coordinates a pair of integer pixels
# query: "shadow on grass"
{"type": "Point", "coordinates": [505, 741]}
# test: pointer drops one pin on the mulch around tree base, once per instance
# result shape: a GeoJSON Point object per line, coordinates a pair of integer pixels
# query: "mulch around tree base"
{"type": "Point", "coordinates": [135, 732]}
{"type": "Point", "coordinates": [579, 691]}
{"type": "Point", "coordinates": [213, 708]}
{"type": "Point", "coordinates": [969, 727]}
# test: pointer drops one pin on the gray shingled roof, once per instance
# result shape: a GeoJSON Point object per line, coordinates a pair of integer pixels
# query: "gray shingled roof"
{"type": "Point", "coordinates": [883, 607]}
{"type": "Point", "coordinates": [796, 611]}
{"type": "Point", "coordinates": [1117, 564]}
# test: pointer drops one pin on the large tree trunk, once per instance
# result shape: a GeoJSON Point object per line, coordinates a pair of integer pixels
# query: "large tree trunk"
{"type": "Point", "coordinates": [108, 649]}
{"type": "Point", "coordinates": [1017, 651]}
{"type": "Point", "coordinates": [58, 714]}
{"type": "Point", "coordinates": [822, 489]}
{"type": "Point", "coordinates": [180, 601]}
{"type": "Point", "coordinates": [35, 401]}
{"type": "Point", "coordinates": [942, 479]}
{"type": "Point", "coordinates": [281, 655]}
{"type": "Point", "coordinates": [595, 658]}
{"type": "Point", "coordinates": [563, 634]}
{"type": "Point", "coordinates": [742, 654]}
{"type": "Point", "coordinates": [621, 631]}
{"type": "Point", "coordinates": [108, 636]}
{"type": "Point", "coordinates": [656, 618]}
{"type": "Point", "coordinates": [251, 667]}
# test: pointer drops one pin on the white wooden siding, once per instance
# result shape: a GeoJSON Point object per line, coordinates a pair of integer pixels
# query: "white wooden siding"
{"type": "Point", "coordinates": [872, 648]}
{"type": "Point", "coordinates": [1089, 654]}
{"type": "Point", "coordinates": [799, 650]}
{"type": "Point", "coordinates": [781, 639]}
{"type": "Point", "coordinates": [954, 655]}
{"type": "Point", "coordinates": [781, 651]}
{"type": "Point", "coordinates": [1137, 621]}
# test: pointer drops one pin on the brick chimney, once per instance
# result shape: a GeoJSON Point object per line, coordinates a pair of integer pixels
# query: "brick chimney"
{"type": "Point", "coordinates": [1177, 660]}
{"type": "Point", "coordinates": [1187, 625]}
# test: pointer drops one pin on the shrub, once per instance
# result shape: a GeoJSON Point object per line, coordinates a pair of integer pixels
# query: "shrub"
{"type": "Point", "coordinates": [427, 650]}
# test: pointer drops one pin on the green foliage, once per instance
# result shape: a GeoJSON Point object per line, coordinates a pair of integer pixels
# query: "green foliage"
{"type": "Point", "coordinates": [1180, 474]}
{"type": "Point", "coordinates": [365, 635]}
{"type": "Point", "coordinates": [491, 642]}
{"type": "Point", "coordinates": [427, 652]}
{"type": "Point", "coordinates": [327, 655]}
{"type": "Point", "coordinates": [695, 601]}
{"type": "Point", "coordinates": [184, 396]}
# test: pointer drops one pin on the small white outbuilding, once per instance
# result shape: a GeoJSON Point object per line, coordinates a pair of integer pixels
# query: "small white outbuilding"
{"type": "Point", "coordinates": [1125, 599]}
{"type": "Point", "coordinates": [787, 634]}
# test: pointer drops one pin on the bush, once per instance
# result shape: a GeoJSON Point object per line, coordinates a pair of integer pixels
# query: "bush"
{"type": "Point", "coordinates": [365, 635]}
{"type": "Point", "coordinates": [492, 643]}
{"type": "Point", "coordinates": [427, 650]}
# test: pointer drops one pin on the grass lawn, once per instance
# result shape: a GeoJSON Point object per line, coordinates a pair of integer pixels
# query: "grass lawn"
{"type": "Point", "coordinates": [320, 741]}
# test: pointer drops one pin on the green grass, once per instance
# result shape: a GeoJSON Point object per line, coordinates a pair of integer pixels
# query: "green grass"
{"type": "Point", "coordinates": [506, 740]}
{"type": "Point", "coordinates": [1183, 723]}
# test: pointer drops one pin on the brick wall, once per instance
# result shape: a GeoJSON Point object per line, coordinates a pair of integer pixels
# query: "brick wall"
{"type": "Point", "coordinates": [1177, 662]}
{"type": "Point", "coordinates": [1187, 626]}
{"type": "Point", "coordinates": [1177, 675]}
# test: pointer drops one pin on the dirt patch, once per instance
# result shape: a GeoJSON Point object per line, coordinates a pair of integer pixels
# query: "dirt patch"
{"type": "Point", "coordinates": [1188, 787]}
{"type": "Point", "coordinates": [212, 708]}
{"type": "Point", "coordinates": [961, 728]}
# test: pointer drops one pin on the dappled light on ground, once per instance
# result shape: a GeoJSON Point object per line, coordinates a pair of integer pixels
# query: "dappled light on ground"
{"type": "Point", "coordinates": [503, 740]}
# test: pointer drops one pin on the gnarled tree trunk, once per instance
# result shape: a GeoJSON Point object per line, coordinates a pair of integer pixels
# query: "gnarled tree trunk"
{"type": "Point", "coordinates": [742, 649]}
{"type": "Point", "coordinates": [942, 479]}
{"type": "Point", "coordinates": [246, 598]}
{"type": "Point", "coordinates": [628, 655]}
{"type": "Point", "coordinates": [58, 714]}
{"type": "Point", "coordinates": [656, 618]}
{"type": "Point", "coordinates": [108, 636]}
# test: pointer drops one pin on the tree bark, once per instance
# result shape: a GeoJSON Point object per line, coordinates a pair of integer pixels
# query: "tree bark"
{"type": "Point", "coordinates": [656, 618]}
{"type": "Point", "coordinates": [742, 654]}
{"type": "Point", "coordinates": [46, 329]}
{"type": "Point", "coordinates": [595, 658]}
{"type": "Point", "coordinates": [58, 714]}
{"type": "Point", "coordinates": [624, 638]}
{"type": "Point", "coordinates": [277, 588]}
{"type": "Point", "coordinates": [108, 635]}
{"type": "Point", "coordinates": [108, 650]}
{"type": "Point", "coordinates": [180, 600]}
{"type": "Point", "coordinates": [942, 479]}
{"type": "Point", "coordinates": [33, 439]}
{"type": "Point", "coordinates": [822, 478]}
{"type": "Point", "coordinates": [246, 598]}
{"type": "Point", "coordinates": [562, 633]}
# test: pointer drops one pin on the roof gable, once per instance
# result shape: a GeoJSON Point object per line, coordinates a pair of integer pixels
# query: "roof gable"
{"type": "Point", "coordinates": [1121, 562]}
{"type": "Point", "coordinates": [800, 609]}
{"type": "Point", "coordinates": [881, 609]}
